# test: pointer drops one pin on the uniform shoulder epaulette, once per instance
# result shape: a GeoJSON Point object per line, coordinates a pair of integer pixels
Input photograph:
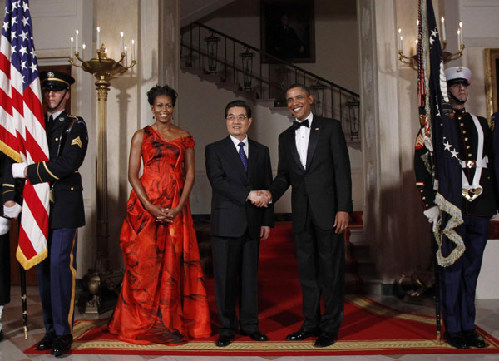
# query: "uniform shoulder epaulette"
{"type": "Point", "coordinates": [76, 118]}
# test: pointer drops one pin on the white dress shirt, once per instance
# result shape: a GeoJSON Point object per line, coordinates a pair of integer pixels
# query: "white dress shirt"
{"type": "Point", "coordinates": [236, 143]}
{"type": "Point", "coordinates": [302, 134]}
{"type": "Point", "coordinates": [54, 115]}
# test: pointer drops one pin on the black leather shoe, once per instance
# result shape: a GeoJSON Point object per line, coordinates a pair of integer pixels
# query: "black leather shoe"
{"type": "Point", "coordinates": [301, 334]}
{"type": "Point", "coordinates": [473, 339]}
{"type": "Point", "coordinates": [456, 339]}
{"type": "Point", "coordinates": [46, 342]}
{"type": "Point", "coordinates": [1, 336]}
{"type": "Point", "coordinates": [223, 340]}
{"type": "Point", "coordinates": [325, 340]}
{"type": "Point", "coordinates": [62, 345]}
{"type": "Point", "coordinates": [256, 336]}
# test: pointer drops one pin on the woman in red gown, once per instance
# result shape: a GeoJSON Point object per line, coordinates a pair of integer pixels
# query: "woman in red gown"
{"type": "Point", "coordinates": [163, 296]}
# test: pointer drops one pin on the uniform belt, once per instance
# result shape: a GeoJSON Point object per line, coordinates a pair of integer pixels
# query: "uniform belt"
{"type": "Point", "coordinates": [475, 163]}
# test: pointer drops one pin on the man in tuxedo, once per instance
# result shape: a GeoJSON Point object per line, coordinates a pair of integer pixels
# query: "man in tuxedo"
{"type": "Point", "coordinates": [235, 165]}
{"type": "Point", "coordinates": [67, 144]}
{"type": "Point", "coordinates": [313, 160]}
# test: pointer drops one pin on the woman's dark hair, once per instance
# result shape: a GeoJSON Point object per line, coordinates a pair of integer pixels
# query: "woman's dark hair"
{"type": "Point", "coordinates": [157, 90]}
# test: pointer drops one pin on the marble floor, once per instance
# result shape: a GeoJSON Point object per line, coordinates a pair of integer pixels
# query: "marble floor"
{"type": "Point", "coordinates": [13, 344]}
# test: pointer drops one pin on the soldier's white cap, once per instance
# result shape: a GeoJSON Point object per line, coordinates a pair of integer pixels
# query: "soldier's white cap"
{"type": "Point", "coordinates": [458, 74]}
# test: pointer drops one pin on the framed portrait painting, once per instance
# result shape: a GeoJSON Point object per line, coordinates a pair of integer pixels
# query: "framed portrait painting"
{"type": "Point", "coordinates": [491, 83]}
{"type": "Point", "coordinates": [287, 30]}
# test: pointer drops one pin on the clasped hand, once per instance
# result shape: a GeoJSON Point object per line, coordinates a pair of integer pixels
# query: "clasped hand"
{"type": "Point", "coordinates": [260, 198]}
{"type": "Point", "coordinates": [164, 215]}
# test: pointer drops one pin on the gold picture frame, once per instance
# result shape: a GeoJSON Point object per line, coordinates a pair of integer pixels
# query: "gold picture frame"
{"type": "Point", "coordinates": [491, 84]}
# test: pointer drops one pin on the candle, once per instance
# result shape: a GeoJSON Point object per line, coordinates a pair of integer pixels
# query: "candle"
{"type": "Point", "coordinates": [83, 47]}
{"type": "Point", "coordinates": [459, 41]}
{"type": "Point", "coordinates": [133, 50]}
{"type": "Point", "coordinates": [97, 41]}
{"type": "Point", "coordinates": [72, 42]}
{"type": "Point", "coordinates": [126, 57]}
{"type": "Point", "coordinates": [460, 35]}
{"type": "Point", "coordinates": [122, 43]}
{"type": "Point", "coordinates": [76, 47]}
{"type": "Point", "coordinates": [444, 37]}
{"type": "Point", "coordinates": [400, 40]}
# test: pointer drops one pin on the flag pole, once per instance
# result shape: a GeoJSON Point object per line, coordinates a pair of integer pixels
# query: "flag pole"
{"type": "Point", "coordinates": [24, 301]}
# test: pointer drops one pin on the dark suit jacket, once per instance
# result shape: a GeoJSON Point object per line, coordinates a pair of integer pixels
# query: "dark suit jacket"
{"type": "Point", "coordinates": [67, 141]}
{"type": "Point", "coordinates": [325, 183]}
{"type": "Point", "coordinates": [231, 212]}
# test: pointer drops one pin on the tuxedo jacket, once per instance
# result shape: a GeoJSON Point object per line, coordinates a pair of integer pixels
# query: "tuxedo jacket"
{"type": "Point", "coordinates": [231, 212]}
{"type": "Point", "coordinates": [325, 184]}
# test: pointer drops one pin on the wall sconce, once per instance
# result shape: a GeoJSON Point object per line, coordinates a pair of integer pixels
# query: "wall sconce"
{"type": "Point", "coordinates": [353, 118]}
{"type": "Point", "coordinates": [247, 59]}
{"type": "Point", "coordinates": [317, 91]}
{"type": "Point", "coordinates": [212, 45]}
{"type": "Point", "coordinates": [446, 55]}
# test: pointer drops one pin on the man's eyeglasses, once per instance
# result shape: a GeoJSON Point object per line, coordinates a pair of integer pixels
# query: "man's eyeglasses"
{"type": "Point", "coordinates": [239, 117]}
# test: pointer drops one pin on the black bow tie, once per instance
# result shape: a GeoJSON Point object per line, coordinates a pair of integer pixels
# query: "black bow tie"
{"type": "Point", "coordinates": [298, 124]}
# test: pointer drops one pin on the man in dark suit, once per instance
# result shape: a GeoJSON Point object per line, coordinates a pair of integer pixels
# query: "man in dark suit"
{"type": "Point", "coordinates": [313, 160]}
{"type": "Point", "coordinates": [475, 151]}
{"type": "Point", "coordinates": [67, 142]}
{"type": "Point", "coordinates": [235, 166]}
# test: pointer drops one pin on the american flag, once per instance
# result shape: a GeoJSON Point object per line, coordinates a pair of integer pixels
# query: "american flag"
{"type": "Point", "coordinates": [444, 139]}
{"type": "Point", "coordinates": [22, 125]}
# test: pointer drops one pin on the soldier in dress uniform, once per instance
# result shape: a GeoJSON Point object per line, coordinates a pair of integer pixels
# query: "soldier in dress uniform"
{"type": "Point", "coordinates": [67, 141]}
{"type": "Point", "coordinates": [459, 280]}
{"type": "Point", "coordinates": [11, 209]}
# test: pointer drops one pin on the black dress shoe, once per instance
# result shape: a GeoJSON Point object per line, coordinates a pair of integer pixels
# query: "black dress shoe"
{"type": "Point", "coordinates": [46, 342]}
{"type": "Point", "coordinates": [325, 340]}
{"type": "Point", "coordinates": [301, 334]}
{"type": "Point", "coordinates": [62, 345]}
{"type": "Point", "coordinates": [224, 340]}
{"type": "Point", "coordinates": [456, 339]}
{"type": "Point", "coordinates": [256, 336]}
{"type": "Point", "coordinates": [473, 339]}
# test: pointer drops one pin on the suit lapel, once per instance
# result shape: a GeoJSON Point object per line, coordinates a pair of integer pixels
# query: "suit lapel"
{"type": "Point", "coordinates": [253, 159]}
{"type": "Point", "coordinates": [313, 139]}
{"type": "Point", "coordinates": [233, 156]}
{"type": "Point", "coordinates": [292, 146]}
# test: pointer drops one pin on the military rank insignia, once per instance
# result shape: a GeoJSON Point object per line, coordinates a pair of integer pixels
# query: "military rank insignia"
{"type": "Point", "coordinates": [77, 141]}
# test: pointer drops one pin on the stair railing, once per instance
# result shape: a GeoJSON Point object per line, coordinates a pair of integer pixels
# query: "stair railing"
{"type": "Point", "coordinates": [233, 62]}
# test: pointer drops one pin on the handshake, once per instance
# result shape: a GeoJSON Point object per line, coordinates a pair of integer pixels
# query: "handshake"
{"type": "Point", "coordinates": [260, 198]}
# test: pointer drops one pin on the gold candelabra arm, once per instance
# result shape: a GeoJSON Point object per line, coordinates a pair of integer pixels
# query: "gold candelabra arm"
{"type": "Point", "coordinates": [410, 60]}
{"type": "Point", "coordinates": [448, 56]}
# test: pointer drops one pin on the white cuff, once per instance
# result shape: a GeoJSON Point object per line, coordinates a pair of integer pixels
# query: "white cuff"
{"type": "Point", "coordinates": [18, 170]}
{"type": "Point", "coordinates": [4, 226]}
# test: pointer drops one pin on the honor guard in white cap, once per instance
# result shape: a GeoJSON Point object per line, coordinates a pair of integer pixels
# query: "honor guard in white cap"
{"type": "Point", "coordinates": [459, 280]}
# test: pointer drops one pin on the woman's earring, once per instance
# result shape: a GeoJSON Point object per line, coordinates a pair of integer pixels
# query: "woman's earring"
{"type": "Point", "coordinates": [153, 117]}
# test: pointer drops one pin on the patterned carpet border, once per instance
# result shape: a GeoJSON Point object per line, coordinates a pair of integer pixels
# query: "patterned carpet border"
{"type": "Point", "coordinates": [86, 341]}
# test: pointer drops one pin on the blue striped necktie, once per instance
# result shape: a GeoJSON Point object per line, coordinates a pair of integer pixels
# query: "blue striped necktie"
{"type": "Point", "coordinates": [243, 157]}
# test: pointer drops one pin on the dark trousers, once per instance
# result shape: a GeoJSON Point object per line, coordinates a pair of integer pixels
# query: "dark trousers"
{"type": "Point", "coordinates": [459, 280]}
{"type": "Point", "coordinates": [236, 259]}
{"type": "Point", "coordinates": [321, 262]}
{"type": "Point", "coordinates": [4, 269]}
{"type": "Point", "coordinates": [56, 281]}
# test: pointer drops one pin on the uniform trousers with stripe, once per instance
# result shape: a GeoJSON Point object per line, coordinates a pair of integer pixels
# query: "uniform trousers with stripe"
{"type": "Point", "coordinates": [56, 281]}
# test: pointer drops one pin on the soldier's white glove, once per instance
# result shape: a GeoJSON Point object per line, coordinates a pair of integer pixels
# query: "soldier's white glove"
{"type": "Point", "coordinates": [4, 226]}
{"type": "Point", "coordinates": [12, 212]}
{"type": "Point", "coordinates": [18, 169]}
{"type": "Point", "coordinates": [433, 214]}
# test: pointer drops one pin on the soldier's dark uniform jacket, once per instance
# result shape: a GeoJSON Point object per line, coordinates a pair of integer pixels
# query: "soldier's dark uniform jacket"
{"type": "Point", "coordinates": [67, 142]}
{"type": "Point", "coordinates": [485, 204]}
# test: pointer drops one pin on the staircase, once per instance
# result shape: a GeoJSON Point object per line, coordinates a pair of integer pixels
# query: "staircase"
{"type": "Point", "coordinates": [261, 77]}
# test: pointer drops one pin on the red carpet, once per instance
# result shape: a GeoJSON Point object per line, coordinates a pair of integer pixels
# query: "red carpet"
{"type": "Point", "coordinates": [368, 327]}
